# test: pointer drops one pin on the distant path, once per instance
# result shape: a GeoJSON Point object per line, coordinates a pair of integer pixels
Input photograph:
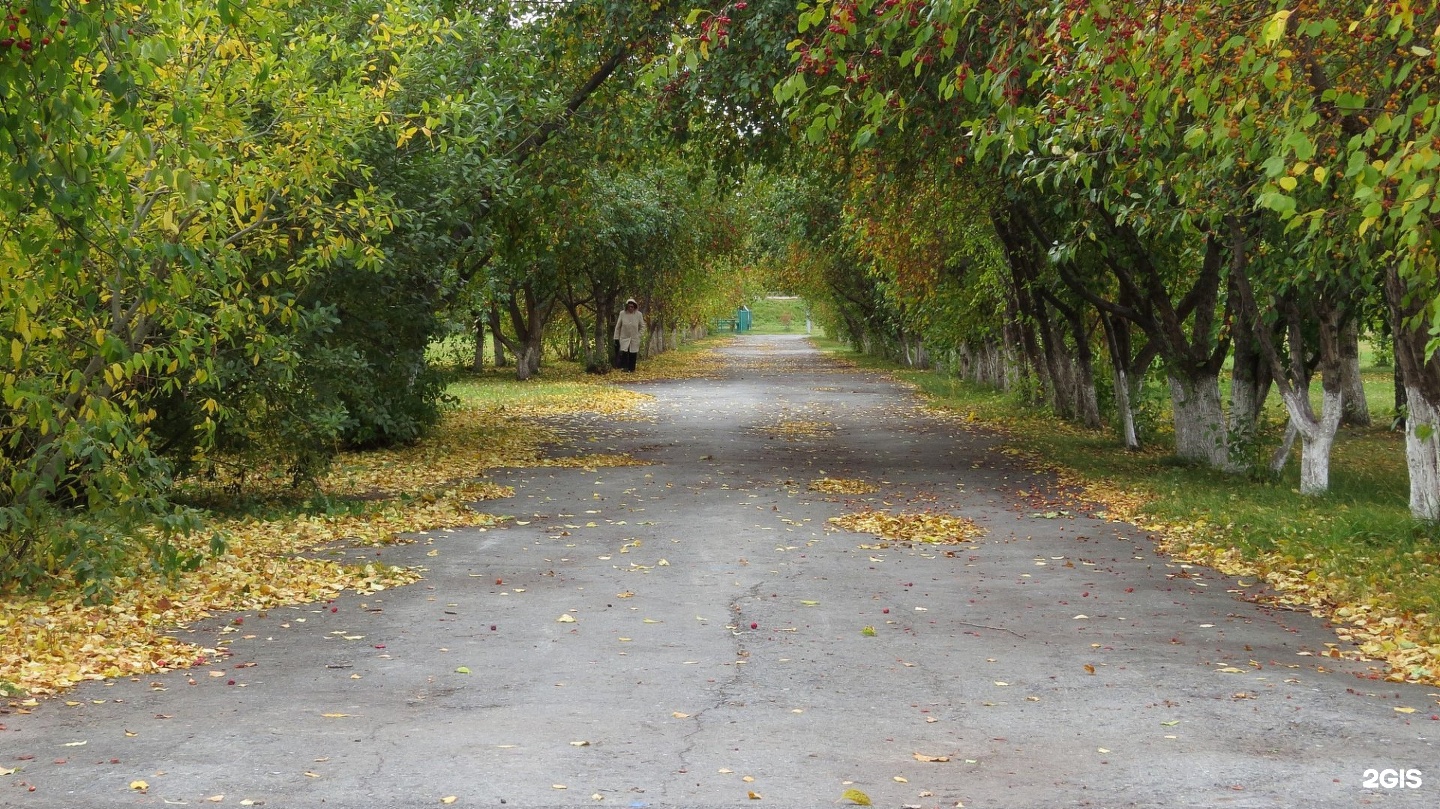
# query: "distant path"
{"type": "Point", "coordinates": [718, 635]}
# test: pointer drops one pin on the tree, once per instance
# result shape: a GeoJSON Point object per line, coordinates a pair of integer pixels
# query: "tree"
{"type": "Point", "coordinates": [172, 183]}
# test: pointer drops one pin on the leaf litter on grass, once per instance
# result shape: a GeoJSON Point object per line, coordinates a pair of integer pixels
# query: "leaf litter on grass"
{"type": "Point", "coordinates": [49, 644]}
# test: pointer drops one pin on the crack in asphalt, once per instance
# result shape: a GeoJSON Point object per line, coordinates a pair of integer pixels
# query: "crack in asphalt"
{"type": "Point", "coordinates": [723, 689]}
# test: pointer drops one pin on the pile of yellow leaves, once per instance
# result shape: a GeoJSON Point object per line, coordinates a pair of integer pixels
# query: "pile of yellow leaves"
{"type": "Point", "coordinates": [923, 527]}
{"type": "Point", "coordinates": [843, 486]}
{"type": "Point", "coordinates": [799, 429]}
{"type": "Point", "coordinates": [50, 644]}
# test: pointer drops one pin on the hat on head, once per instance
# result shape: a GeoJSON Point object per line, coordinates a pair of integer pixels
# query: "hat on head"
{"type": "Point", "coordinates": [630, 301]}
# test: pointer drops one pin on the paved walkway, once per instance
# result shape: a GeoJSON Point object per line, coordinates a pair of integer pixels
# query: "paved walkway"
{"type": "Point", "coordinates": [718, 654]}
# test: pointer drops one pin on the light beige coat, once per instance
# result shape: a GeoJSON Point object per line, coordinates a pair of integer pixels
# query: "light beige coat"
{"type": "Point", "coordinates": [628, 329]}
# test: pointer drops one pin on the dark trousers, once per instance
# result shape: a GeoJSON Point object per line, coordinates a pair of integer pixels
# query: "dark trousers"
{"type": "Point", "coordinates": [627, 360]}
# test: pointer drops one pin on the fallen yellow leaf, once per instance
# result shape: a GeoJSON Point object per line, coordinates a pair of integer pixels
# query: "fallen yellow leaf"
{"type": "Point", "coordinates": [565, 619]}
{"type": "Point", "coordinates": [679, 715]}
{"type": "Point", "coordinates": [139, 785]}
{"type": "Point", "coordinates": [923, 757]}
{"type": "Point", "coordinates": [1405, 710]}
{"type": "Point", "coordinates": [449, 799]}
{"type": "Point", "coordinates": [754, 796]}
{"type": "Point", "coordinates": [856, 797]}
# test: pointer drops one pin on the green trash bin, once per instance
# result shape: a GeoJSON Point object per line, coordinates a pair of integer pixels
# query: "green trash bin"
{"type": "Point", "coordinates": [742, 319]}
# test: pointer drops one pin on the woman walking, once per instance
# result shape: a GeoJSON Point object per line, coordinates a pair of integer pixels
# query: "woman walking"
{"type": "Point", "coordinates": [628, 328]}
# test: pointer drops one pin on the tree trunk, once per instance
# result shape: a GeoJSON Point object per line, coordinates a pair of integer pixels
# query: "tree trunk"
{"type": "Point", "coordinates": [1282, 453]}
{"type": "Point", "coordinates": [1249, 383]}
{"type": "Point", "coordinates": [529, 323]}
{"type": "Point", "coordinates": [528, 363]}
{"type": "Point", "coordinates": [1420, 373]}
{"type": "Point", "coordinates": [1317, 436]}
{"type": "Point", "coordinates": [1357, 410]}
{"type": "Point", "coordinates": [599, 361]}
{"type": "Point", "coordinates": [1400, 404]}
{"type": "Point", "coordinates": [477, 364]}
{"type": "Point", "coordinates": [1422, 455]}
{"type": "Point", "coordinates": [497, 337]}
{"type": "Point", "coordinates": [580, 348]}
{"type": "Point", "coordinates": [1199, 419]}
{"type": "Point", "coordinates": [1085, 401]}
{"type": "Point", "coordinates": [1125, 410]}
{"type": "Point", "coordinates": [1028, 311]}
{"type": "Point", "coordinates": [1117, 343]}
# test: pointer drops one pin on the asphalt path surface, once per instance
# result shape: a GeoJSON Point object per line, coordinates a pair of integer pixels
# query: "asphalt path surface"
{"type": "Point", "coordinates": [695, 633]}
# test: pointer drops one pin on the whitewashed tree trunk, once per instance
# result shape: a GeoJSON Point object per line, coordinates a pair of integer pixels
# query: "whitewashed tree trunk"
{"type": "Point", "coordinates": [1422, 455]}
{"type": "Point", "coordinates": [1199, 420]}
{"type": "Point", "coordinates": [1282, 453]}
{"type": "Point", "coordinates": [1317, 436]}
{"type": "Point", "coordinates": [1125, 410]}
